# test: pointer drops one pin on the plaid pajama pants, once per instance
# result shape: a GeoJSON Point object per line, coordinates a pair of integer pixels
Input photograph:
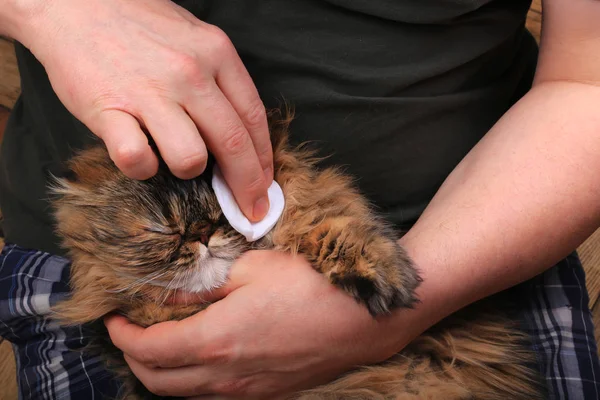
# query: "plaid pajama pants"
{"type": "Point", "coordinates": [553, 307]}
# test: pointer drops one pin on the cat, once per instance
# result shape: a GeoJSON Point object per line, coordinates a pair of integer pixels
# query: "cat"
{"type": "Point", "coordinates": [132, 243]}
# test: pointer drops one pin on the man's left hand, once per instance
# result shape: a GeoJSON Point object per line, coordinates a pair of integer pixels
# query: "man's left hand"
{"type": "Point", "coordinates": [281, 327]}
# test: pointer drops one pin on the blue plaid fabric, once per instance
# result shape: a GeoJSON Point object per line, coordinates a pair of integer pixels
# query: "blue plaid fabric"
{"type": "Point", "coordinates": [553, 307]}
{"type": "Point", "coordinates": [556, 314]}
{"type": "Point", "coordinates": [50, 364]}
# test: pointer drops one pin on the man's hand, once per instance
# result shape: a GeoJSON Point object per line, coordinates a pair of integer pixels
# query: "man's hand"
{"type": "Point", "coordinates": [281, 328]}
{"type": "Point", "coordinates": [128, 67]}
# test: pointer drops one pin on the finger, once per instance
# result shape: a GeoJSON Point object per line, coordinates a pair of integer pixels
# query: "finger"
{"type": "Point", "coordinates": [237, 86]}
{"type": "Point", "coordinates": [227, 138]}
{"type": "Point", "coordinates": [177, 139]}
{"type": "Point", "coordinates": [126, 143]}
{"type": "Point", "coordinates": [182, 297]}
{"type": "Point", "coordinates": [173, 382]}
{"type": "Point", "coordinates": [166, 344]}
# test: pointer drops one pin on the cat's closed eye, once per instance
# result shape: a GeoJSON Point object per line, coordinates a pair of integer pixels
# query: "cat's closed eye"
{"type": "Point", "coordinates": [163, 230]}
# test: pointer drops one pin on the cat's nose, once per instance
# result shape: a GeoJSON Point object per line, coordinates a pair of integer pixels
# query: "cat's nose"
{"type": "Point", "coordinates": [204, 239]}
{"type": "Point", "coordinates": [200, 233]}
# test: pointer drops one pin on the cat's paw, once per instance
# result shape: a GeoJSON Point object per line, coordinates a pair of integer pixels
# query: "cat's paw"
{"type": "Point", "coordinates": [379, 296]}
{"type": "Point", "coordinates": [369, 265]}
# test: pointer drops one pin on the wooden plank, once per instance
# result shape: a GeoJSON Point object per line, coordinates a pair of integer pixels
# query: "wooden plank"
{"type": "Point", "coordinates": [589, 252]}
{"type": "Point", "coordinates": [536, 5]}
{"type": "Point", "coordinates": [596, 320]}
{"type": "Point", "coordinates": [10, 85]}
{"type": "Point", "coordinates": [4, 113]}
{"type": "Point", "coordinates": [534, 19]}
{"type": "Point", "coordinates": [8, 380]}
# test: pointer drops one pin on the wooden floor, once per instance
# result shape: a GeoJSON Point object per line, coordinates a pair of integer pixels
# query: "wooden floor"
{"type": "Point", "coordinates": [9, 90]}
{"type": "Point", "coordinates": [534, 19]}
{"type": "Point", "coordinates": [9, 74]}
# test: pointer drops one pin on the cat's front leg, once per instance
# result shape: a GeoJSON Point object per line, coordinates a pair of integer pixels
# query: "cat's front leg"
{"type": "Point", "coordinates": [364, 259]}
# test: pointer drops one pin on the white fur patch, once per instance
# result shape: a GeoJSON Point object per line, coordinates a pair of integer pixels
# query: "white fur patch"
{"type": "Point", "coordinates": [210, 275]}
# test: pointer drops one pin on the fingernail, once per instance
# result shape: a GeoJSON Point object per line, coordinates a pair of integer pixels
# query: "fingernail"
{"type": "Point", "coordinates": [261, 207]}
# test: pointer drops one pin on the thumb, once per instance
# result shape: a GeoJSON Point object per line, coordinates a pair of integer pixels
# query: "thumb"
{"type": "Point", "coordinates": [210, 296]}
{"type": "Point", "coordinates": [243, 271]}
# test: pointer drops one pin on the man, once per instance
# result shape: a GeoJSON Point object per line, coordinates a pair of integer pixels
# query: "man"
{"type": "Point", "coordinates": [408, 95]}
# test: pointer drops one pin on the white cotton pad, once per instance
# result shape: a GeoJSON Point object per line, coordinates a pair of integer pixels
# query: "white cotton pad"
{"type": "Point", "coordinates": [251, 230]}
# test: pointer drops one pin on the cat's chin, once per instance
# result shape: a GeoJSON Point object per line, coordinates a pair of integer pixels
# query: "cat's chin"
{"type": "Point", "coordinates": [209, 273]}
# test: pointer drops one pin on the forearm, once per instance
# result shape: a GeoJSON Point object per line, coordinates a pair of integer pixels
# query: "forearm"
{"type": "Point", "coordinates": [526, 196]}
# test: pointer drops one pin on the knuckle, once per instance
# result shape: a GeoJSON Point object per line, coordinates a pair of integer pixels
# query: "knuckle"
{"type": "Point", "coordinates": [190, 166]}
{"type": "Point", "coordinates": [256, 115]}
{"type": "Point", "coordinates": [236, 140]}
{"type": "Point", "coordinates": [256, 184]}
{"type": "Point", "coordinates": [200, 84]}
{"type": "Point", "coordinates": [128, 157]}
{"type": "Point", "coordinates": [191, 71]}
{"type": "Point", "coordinates": [188, 66]}
{"type": "Point", "coordinates": [232, 387]}
{"type": "Point", "coordinates": [218, 352]}
{"type": "Point", "coordinates": [149, 359]}
{"type": "Point", "coordinates": [219, 43]}
{"type": "Point", "coordinates": [104, 100]}
{"type": "Point", "coordinates": [266, 155]}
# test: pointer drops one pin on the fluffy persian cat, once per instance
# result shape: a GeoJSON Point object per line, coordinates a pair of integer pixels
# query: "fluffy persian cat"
{"type": "Point", "coordinates": [133, 242]}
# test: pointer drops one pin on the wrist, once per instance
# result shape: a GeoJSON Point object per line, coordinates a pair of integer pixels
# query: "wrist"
{"type": "Point", "coordinates": [18, 19]}
{"type": "Point", "coordinates": [439, 296]}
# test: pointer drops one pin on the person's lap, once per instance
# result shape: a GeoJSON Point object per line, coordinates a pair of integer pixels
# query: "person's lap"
{"type": "Point", "coordinates": [554, 309]}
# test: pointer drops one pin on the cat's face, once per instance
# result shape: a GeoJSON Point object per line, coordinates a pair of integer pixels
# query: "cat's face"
{"type": "Point", "coordinates": [163, 232]}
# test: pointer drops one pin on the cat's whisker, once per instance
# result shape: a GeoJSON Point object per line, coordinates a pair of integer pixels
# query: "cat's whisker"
{"type": "Point", "coordinates": [164, 295]}
{"type": "Point", "coordinates": [180, 278]}
{"type": "Point", "coordinates": [169, 287]}
{"type": "Point", "coordinates": [145, 277]}
{"type": "Point", "coordinates": [137, 285]}
{"type": "Point", "coordinates": [188, 276]}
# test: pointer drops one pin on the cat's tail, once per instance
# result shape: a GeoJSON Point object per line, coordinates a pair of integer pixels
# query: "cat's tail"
{"type": "Point", "coordinates": [466, 359]}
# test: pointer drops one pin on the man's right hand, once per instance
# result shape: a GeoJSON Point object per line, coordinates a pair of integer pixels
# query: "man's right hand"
{"type": "Point", "coordinates": [125, 67]}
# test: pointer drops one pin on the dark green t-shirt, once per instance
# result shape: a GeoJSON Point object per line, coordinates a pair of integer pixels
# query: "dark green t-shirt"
{"type": "Point", "coordinates": [396, 91]}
